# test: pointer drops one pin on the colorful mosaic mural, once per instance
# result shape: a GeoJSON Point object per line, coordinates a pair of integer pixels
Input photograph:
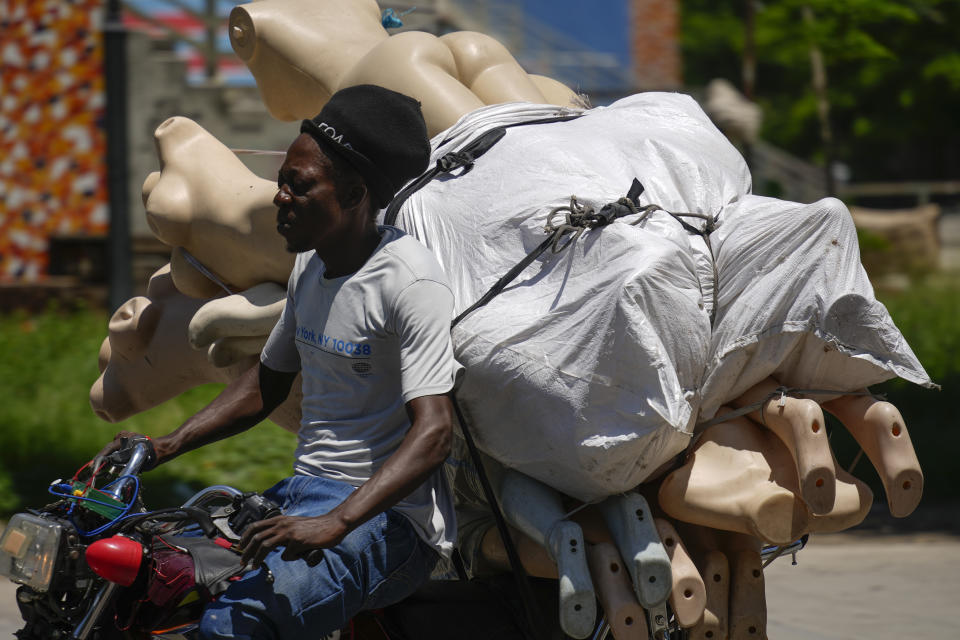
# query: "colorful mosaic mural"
{"type": "Point", "coordinates": [52, 142]}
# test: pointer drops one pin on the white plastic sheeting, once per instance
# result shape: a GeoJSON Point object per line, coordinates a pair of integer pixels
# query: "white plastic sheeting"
{"type": "Point", "coordinates": [795, 303]}
{"type": "Point", "coordinates": [591, 369]}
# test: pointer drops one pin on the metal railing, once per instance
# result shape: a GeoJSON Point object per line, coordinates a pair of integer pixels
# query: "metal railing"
{"type": "Point", "coordinates": [175, 20]}
{"type": "Point", "coordinates": [921, 190]}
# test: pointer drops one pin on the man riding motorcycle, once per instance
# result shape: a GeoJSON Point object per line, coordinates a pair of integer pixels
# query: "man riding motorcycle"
{"type": "Point", "coordinates": [367, 323]}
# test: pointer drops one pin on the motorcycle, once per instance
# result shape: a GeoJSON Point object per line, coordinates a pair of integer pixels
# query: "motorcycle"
{"type": "Point", "coordinates": [97, 565]}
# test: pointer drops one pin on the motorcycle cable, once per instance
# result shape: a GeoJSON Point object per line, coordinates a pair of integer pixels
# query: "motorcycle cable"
{"type": "Point", "coordinates": [198, 515]}
{"type": "Point", "coordinates": [77, 499]}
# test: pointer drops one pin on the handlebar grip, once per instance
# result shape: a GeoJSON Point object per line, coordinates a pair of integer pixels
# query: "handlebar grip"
{"type": "Point", "coordinates": [314, 558]}
{"type": "Point", "coordinates": [138, 454]}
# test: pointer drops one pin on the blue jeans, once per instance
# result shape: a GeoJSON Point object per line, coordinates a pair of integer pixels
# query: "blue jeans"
{"type": "Point", "coordinates": [377, 564]}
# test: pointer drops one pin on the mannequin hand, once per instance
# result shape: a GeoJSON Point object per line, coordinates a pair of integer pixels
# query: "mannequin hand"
{"type": "Point", "coordinates": [300, 535]}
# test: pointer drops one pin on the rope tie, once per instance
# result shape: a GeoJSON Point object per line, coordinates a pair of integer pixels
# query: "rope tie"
{"type": "Point", "coordinates": [783, 392]}
{"type": "Point", "coordinates": [709, 222]}
{"type": "Point", "coordinates": [578, 218]}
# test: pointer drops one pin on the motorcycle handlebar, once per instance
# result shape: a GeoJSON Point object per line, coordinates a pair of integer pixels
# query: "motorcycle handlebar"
{"type": "Point", "coordinates": [139, 454]}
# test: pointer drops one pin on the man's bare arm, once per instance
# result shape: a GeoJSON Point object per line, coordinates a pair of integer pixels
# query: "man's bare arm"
{"type": "Point", "coordinates": [423, 450]}
{"type": "Point", "coordinates": [245, 402]}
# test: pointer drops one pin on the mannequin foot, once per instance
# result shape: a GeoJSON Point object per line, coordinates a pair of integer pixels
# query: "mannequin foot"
{"type": "Point", "coordinates": [631, 524]}
{"type": "Point", "coordinates": [853, 502]}
{"type": "Point", "coordinates": [716, 577]}
{"type": "Point", "coordinates": [578, 609]}
{"type": "Point", "coordinates": [800, 424]}
{"type": "Point", "coordinates": [615, 592]}
{"type": "Point", "coordinates": [688, 595]}
{"type": "Point", "coordinates": [747, 610]}
{"type": "Point", "coordinates": [879, 429]}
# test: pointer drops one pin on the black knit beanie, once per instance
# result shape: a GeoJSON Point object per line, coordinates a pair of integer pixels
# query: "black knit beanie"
{"type": "Point", "coordinates": [380, 132]}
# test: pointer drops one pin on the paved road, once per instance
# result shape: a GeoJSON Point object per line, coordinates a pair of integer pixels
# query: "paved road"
{"type": "Point", "coordinates": [845, 586]}
{"type": "Point", "coordinates": [9, 614]}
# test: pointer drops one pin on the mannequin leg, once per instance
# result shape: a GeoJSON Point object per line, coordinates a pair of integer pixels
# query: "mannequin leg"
{"type": "Point", "coordinates": [800, 424]}
{"type": "Point", "coordinates": [535, 559]}
{"type": "Point", "coordinates": [228, 351]}
{"type": "Point", "coordinates": [716, 576]}
{"type": "Point", "coordinates": [631, 524]}
{"type": "Point", "coordinates": [849, 509]}
{"type": "Point", "coordinates": [739, 477]}
{"type": "Point", "coordinates": [558, 93]}
{"type": "Point", "coordinates": [591, 523]}
{"type": "Point", "coordinates": [537, 511]}
{"type": "Point", "coordinates": [624, 613]}
{"type": "Point", "coordinates": [250, 313]}
{"type": "Point", "coordinates": [747, 610]}
{"type": "Point", "coordinates": [688, 595]}
{"type": "Point", "coordinates": [879, 429]}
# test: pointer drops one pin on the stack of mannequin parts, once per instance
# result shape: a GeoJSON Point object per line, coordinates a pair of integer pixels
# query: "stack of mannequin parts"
{"type": "Point", "coordinates": [591, 370]}
{"type": "Point", "coordinates": [602, 357]}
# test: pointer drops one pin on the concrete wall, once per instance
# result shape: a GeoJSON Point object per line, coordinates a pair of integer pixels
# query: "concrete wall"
{"type": "Point", "coordinates": [158, 90]}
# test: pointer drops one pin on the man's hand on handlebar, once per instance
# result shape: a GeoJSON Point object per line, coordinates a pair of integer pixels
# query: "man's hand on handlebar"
{"type": "Point", "coordinates": [302, 537]}
{"type": "Point", "coordinates": [118, 450]}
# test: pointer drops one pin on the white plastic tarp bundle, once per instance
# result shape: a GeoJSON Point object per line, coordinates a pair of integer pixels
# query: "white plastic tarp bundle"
{"type": "Point", "coordinates": [591, 369]}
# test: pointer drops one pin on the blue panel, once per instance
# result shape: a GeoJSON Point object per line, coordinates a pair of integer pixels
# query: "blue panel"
{"type": "Point", "coordinates": [600, 25]}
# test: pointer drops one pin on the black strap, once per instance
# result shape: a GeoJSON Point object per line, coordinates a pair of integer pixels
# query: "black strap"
{"type": "Point", "coordinates": [458, 564]}
{"type": "Point", "coordinates": [507, 278]}
{"type": "Point", "coordinates": [536, 629]}
{"type": "Point", "coordinates": [464, 158]}
{"type": "Point", "coordinates": [607, 214]}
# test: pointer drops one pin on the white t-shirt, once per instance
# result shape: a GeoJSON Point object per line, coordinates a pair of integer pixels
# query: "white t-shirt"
{"type": "Point", "coordinates": [367, 343]}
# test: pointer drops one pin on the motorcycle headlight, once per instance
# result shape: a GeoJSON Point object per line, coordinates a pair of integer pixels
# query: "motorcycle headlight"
{"type": "Point", "coordinates": [28, 550]}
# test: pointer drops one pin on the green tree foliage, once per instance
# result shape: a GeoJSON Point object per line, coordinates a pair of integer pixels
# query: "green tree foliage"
{"type": "Point", "coordinates": [48, 430]}
{"type": "Point", "coordinates": [893, 73]}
